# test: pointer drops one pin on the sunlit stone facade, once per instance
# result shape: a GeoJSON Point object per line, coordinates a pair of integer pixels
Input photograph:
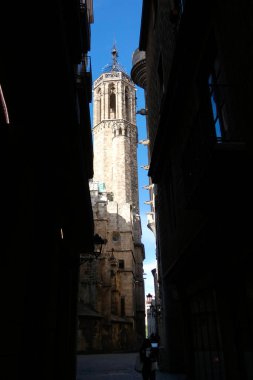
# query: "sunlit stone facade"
{"type": "Point", "coordinates": [112, 287]}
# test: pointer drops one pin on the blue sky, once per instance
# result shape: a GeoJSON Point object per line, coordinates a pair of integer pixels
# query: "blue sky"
{"type": "Point", "coordinates": [119, 21]}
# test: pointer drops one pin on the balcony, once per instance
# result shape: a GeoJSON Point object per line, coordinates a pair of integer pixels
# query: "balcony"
{"type": "Point", "coordinates": [84, 75]}
{"type": "Point", "coordinates": [138, 72]}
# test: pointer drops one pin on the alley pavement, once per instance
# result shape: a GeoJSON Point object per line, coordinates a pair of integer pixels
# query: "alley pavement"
{"type": "Point", "coordinates": [113, 367]}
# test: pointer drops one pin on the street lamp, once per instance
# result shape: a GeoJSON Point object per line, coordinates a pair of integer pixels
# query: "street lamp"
{"type": "Point", "coordinates": [154, 311]}
{"type": "Point", "coordinates": [149, 298]}
{"type": "Point", "coordinates": [98, 245]}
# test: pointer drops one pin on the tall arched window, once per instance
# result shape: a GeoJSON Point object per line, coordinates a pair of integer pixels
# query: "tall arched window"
{"type": "Point", "coordinates": [112, 102]}
{"type": "Point", "coordinates": [98, 105]}
{"type": "Point", "coordinates": [127, 104]}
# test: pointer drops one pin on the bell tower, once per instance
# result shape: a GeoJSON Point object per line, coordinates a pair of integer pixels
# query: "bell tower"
{"type": "Point", "coordinates": [115, 133]}
{"type": "Point", "coordinates": [112, 285]}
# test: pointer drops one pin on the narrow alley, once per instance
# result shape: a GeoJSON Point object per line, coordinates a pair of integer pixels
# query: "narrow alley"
{"type": "Point", "coordinates": [113, 367]}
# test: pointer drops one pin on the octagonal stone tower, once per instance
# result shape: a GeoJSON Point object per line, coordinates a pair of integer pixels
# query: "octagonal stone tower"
{"type": "Point", "coordinates": [111, 293]}
{"type": "Point", "coordinates": [115, 133]}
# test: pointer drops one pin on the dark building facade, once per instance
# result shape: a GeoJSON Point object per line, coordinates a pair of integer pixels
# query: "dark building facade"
{"type": "Point", "coordinates": [198, 90]}
{"type": "Point", "coordinates": [46, 163]}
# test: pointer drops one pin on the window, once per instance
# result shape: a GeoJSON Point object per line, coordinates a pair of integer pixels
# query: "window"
{"type": "Point", "coordinates": [115, 236]}
{"type": "Point", "coordinates": [98, 106]}
{"type": "Point", "coordinates": [127, 104]}
{"type": "Point", "coordinates": [122, 307]}
{"type": "Point", "coordinates": [121, 264]}
{"type": "Point", "coordinates": [216, 89]}
{"type": "Point", "coordinates": [110, 196]}
{"type": "Point", "coordinates": [216, 118]}
{"type": "Point", "coordinates": [112, 103]}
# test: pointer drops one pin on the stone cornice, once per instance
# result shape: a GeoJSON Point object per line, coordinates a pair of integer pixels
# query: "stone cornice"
{"type": "Point", "coordinates": [112, 122]}
{"type": "Point", "coordinates": [116, 76]}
